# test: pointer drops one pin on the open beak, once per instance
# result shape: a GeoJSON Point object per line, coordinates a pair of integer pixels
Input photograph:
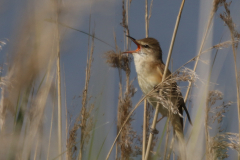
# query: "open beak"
{"type": "Point", "coordinates": [138, 45]}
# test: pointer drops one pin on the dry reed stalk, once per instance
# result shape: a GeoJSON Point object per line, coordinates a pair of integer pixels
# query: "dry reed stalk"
{"type": "Point", "coordinates": [222, 45]}
{"type": "Point", "coordinates": [145, 101]}
{"type": "Point", "coordinates": [151, 135]}
{"type": "Point", "coordinates": [84, 119]}
{"type": "Point", "coordinates": [216, 4]}
{"type": "Point", "coordinates": [126, 27]}
{"type": "Point", "coordinates": [206, 129]}
{"type": "Point", "coordinates": [57, 9]}
{"type": "Point", "coordinates": [168, 129]}
{"type": "Point", "coordinates": [149, 115]}
{"type": "Point", "coordinates": [171, 148]}
{"type": "Point", "coordinates": [120, 96]}
{"type": "Point", "coordinates": [85, 92]}
{"type": "Point", "coordinates": [127, 44]}
{"type": "Point", "coordinates": [36, 150]}
{"type": "Point", "coordinates": [125, 103]}
{"type": "Point", "coordinates": [150, 11]}
{"type": "Point", "coordinates": [146, 18]}
{"type": "Point", "coordinates": [66, 114]}
{"type": "Point", "coordinates": [164, 76]}
{"type": "Point", "coordinates": [37, 114]}
{"type": "Point", "coordinates": [226, 17]}
{"type": "Point", "coordinates": [207, 111]}
{"type": "Point", "coordinates": [144, 129]}
{"type": "Point", "coordinates": [84, 111]}
{"type": "Point", "coordinates": [119, 114]}
{"type": "Point", "coordinates": [211, 99]}
{"type": "Point", "coordinates": [167, 135]}
{"type": "Point", "coordinates": [218, 46]}
{"type": "Point", "coordinates": [52, 118]}
{"type": "Point", "coordinates": [126, 120]}
{"type": "Point", "coordinates": [216, 147]}
{"type": "Point", "coordinates": [27, 65]}
{"type": "Point", "coordinates": [50, 134]}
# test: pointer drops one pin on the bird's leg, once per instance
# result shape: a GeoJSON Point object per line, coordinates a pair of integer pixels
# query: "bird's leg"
{"type": "Point", "coordinates": [155, 131]}
{"type": "Point", "coordinates": [160, 119]}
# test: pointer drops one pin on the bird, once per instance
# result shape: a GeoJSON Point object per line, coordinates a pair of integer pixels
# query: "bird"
{"type": "Point", "coordinates": [150, 69]}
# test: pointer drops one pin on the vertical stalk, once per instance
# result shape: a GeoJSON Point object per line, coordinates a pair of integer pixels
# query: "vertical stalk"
{"type": "Point", "coordinates": [171, 148]}
{"type": "Point", "coordinates": [50, 134]}
{"type": "Point", "coordinates": [36, 150]}
{"type": "Point", "coordinates": [145, 101]}
{"type": "Point", "coordinates": [66, 114]}
{"type": "Point", "coordinates": [127, 44]}
{"type": "Point", "coordinates": [146, 17]}
{"type": "Point", "coordinates": [237, 82]}
{"type": "Point", "coordinates": [151, 135]}
{"type": "Point", "coordinates": [164, 76]}
{"type": "Point", "coordinates": [144, 129]}
{"type": "Point", "coordinates": [206, 131]}
{"type": "Point", "coordinates": [59, 106]}
{"type": "Point", "coordinates": [59, 85]}
{"type": "Point", "coordinates": [200, 51]}
{"type": "Point", "coordinates": [167, 137]}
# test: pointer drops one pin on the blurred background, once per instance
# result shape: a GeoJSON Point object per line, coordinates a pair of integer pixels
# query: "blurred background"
{"type": "Point", "coordinates": [61, 100]}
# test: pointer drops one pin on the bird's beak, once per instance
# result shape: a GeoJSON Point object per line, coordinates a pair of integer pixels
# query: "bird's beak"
{"type": "Point", "coordinates": [138, 46]}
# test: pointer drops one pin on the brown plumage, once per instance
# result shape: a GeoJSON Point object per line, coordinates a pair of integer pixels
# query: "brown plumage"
{"type": "Point", "coordinates": [150, 67]}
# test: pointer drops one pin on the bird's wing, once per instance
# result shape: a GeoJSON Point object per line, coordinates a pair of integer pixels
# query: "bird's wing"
{"type": "Point", "coordinates": [175, 94]}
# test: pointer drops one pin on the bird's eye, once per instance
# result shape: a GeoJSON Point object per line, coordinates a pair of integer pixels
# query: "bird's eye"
{"type": "Point", "coordinates": [146, 46]}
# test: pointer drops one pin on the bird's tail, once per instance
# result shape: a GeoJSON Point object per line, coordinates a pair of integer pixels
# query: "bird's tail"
{"type": "Point", "coordinates": [177, 127]}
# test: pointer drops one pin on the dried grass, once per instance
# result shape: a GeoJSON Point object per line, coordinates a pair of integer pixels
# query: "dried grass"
{"type": "Point", "coordinates": [226, 17]}
{"type": "Point", "coordinates": [116, 60]}
{"type": "Point", "coordinates": [84, 121]}
{"type": "Point", "coordinates": [29, 87]}
{"type": "Point", "coordinates": [217, 146]}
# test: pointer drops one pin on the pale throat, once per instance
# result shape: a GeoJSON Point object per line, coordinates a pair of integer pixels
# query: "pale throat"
{"type": "Point", "coordinates": [144, 72]}
{"type": "Point", "coordinates": [139, 61]}
{"type": "Point", "coordinates": [143, 64]}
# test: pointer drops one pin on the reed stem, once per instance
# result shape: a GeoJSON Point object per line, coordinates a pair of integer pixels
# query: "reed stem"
{"type": "Point", "coordinates": [164, 76]}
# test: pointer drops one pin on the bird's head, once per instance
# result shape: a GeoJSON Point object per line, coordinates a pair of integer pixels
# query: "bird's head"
{"type": "Point", "coordinates": [147, 48]}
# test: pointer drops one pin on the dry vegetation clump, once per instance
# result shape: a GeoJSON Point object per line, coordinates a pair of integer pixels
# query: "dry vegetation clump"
{"type": "Point", "coordinates": [221, 143]}
{"type": "Point", "coordinates": [226, 17]}
{"type": "Point", "coordinates": [217, 146]}
{"type": "Point", "coordinates": [170, 89]}
{"type": "Point", "coordinates": [116, 60]}
{"type": "Point", "coordinates": [124, 148]}
{"type": "Point", "coordinates": [84, 121]}
{"type": "Point", "coordinates": [128, 134]}
{"type": "Point", "coordinates": [27, 88]}
{"type": "Point", "coordinates": [125, 142]}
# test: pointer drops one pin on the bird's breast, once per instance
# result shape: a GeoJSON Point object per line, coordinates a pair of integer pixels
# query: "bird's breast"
{"type": "Point", "coordinates": [148, 76]}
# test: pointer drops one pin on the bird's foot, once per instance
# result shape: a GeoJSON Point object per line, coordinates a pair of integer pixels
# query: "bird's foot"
{"type": "Point", "coordinates": [154, 131]}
